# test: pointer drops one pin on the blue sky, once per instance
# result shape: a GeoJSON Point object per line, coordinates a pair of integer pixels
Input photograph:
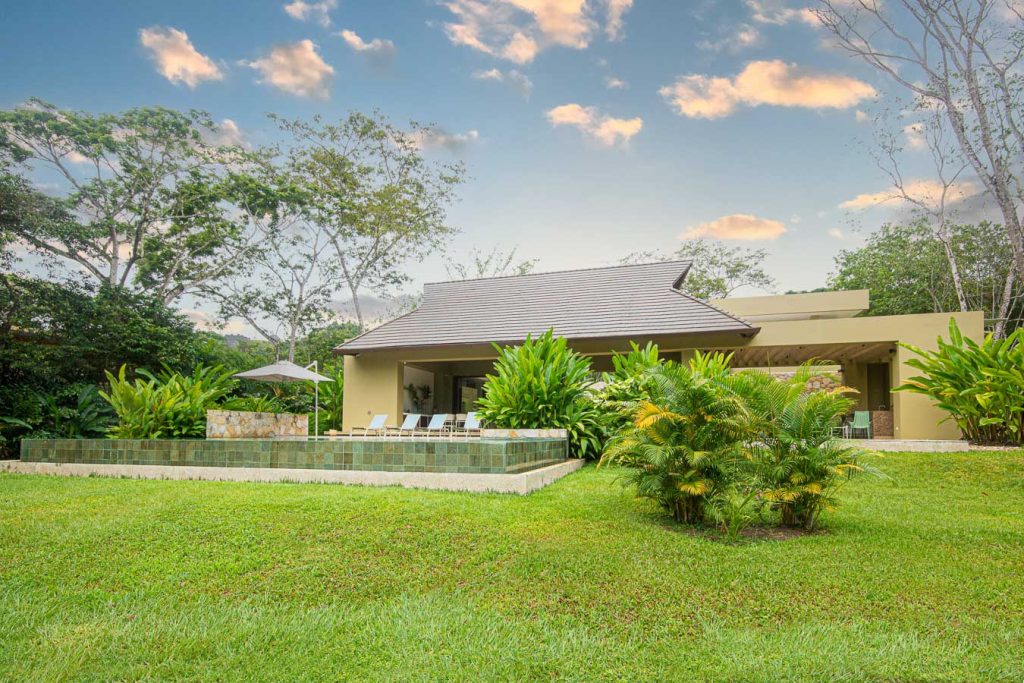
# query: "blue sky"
{"type": "Point", "coordinates": [730, 119]}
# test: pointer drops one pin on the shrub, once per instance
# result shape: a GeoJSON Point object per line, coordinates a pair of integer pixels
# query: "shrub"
{"type": "Point", "coordinates": [254, 404]}
{"type": "Point", "coordinates": [981, 386]}
{"type": "Point", "coordinates": [543, 384]}
{"type": "Point", "coordinates": [713, 445]}
{"type": "Point", "coordinates": [795, 462]}
{"type": "Point", "coordinates": [170, 405]}
{"type": "Point", "coordinates": [685, 446]}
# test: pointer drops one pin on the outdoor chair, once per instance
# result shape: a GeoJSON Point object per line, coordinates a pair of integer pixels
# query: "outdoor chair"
{"type": "Point", "coordinates": [471, 425]}
{"type": "Point", "coordinates": [862, 422]}
{"type": "Point", "coordinates": [409, 425]}
{"type": "Point", "coordinates": [378, 426]}
{"type": "Point", "coordinates": [438, 425]}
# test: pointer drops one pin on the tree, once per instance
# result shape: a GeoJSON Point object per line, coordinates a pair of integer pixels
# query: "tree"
{"type": "Point", "coordinates": [905, 268]}
{"type": "Point", "coordinates": [151, 200]}
{"type": "Point", "coordinates": [717, 270]}
{"type": "Point", "coordinates": [379, 202]}
{"type": "Point", "coordinates": [962, 58]}
{"type": "Point", "coordinates": [495, 263]}
{"type": "Point", "coordinates": [289, 288]}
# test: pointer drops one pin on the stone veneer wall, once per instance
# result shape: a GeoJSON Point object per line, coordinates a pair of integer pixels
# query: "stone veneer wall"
{"type": "Point", "coordinates": [825, 382]}
{"type": "Point", "coordinates": [408, 454]}
{"type": "Point", "coordinates": [237, 424]}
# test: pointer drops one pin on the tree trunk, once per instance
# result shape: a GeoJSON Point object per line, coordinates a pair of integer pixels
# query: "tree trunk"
{"type": "Point", "coordinates": [355, 305]}
{"type": "Point", "coordinates": [999, 330]}
{"type": "Point", "coordinates": [954, 270]}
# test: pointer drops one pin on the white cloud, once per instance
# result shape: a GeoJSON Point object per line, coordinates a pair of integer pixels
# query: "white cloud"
{"type": "Point", "coordinates": [614, 24]}
{"type": "Point", "coordinates": [296, 68]}
{"type": "Point", "coordinates": [208, 323]}
{"type": "Point", "coordinates": [176, 59]}
{"type": "Point", "coordinates": [772, 82]}
{"type": "Point", "coordinates": [837, 234]}
{"type": "Point", "coordinates": [740, 38]}
{"type": "Point", "coordinates": [914, 134]}
{"type": "Point", "coordinates": [740, 226]}
{"type": "Point", "coordinates": [379, 52]}
{"type": "Point", "coordinates": [926, 192]}
{"type": "Point", "coordinates": [320, 12]}
{"type": "Point", "coordinates": [517, 80]}
{"type": "Point", "coordinates": [517, 30]}
{"type": "Point", "coordinates": [778, 13]}
{"type": "Point", "coordinates": [861, 116]}
{"type": "Point", "coordinates": [604, 129]}
{"type": "Point", "coordinates": [613, 83]}
{"type": "Point", "coordinates": [228, 134]}
{"type": "Point", "coordinates": [437, 138]}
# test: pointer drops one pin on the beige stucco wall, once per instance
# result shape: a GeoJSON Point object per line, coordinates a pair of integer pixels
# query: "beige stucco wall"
{"type": "Point", "coordinates": [373, 385]}
{"type": "Point", "coordinates": [373, 380]}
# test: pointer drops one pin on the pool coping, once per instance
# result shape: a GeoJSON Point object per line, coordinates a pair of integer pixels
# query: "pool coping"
{"type": "Point", "coordinates": [519, 483]}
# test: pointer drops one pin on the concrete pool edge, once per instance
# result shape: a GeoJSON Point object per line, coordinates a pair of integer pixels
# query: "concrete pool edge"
{"type": "Point", "coordinates": [518, 483]}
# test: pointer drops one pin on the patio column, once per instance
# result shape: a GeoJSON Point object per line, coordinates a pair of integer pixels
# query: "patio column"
{"type": "Point", "coordinates": [373, 386]}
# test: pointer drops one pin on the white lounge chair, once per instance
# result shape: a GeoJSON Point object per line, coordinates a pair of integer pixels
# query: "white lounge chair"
{"type": "Point", "coordinates": [409, 425]}
{"type": "Point", "coordinates": [471, 425]}
{"type": "Point", "coordinates": [438, 425]}
{"type": "Point", "coordinates": [378, 426]}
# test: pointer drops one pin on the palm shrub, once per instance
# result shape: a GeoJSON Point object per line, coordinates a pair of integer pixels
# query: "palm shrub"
{"type": "Point", "coordinates": [795, 462]}
{"type": "Point", "coordinates": [543, 384]}
{"type": "Point", "coordinates": [169, 405]}
{"type": "Point", "coordinates": [684, 449]}
{"type": "Point", "coordinates": [981, 386]}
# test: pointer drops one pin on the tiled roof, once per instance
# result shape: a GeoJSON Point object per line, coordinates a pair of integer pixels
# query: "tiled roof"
{"type": "Point", "coordinates": [623, 302]}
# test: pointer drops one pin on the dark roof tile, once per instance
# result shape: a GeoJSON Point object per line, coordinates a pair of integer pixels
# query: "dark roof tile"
{"type": "Point", "coordinates": [635, 301]}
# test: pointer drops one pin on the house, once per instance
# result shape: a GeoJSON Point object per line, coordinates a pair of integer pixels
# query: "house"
{"type": "Point", "coordinates": [445, 344]}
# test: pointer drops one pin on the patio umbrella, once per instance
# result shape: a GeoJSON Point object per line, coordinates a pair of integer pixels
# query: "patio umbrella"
{"type": "Point", "coordinates": [287, 371]}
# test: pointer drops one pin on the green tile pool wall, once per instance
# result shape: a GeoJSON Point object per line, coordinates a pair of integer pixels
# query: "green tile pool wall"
{"type": "Point", "coordinates": [494, 456]}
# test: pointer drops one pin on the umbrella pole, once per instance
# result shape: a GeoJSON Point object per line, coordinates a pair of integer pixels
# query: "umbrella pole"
{"type": "Point", "coordinates": [316, 409]}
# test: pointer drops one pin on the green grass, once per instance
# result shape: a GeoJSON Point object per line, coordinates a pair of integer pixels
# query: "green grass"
{"type": "Point", "coordinates": [917, 578]}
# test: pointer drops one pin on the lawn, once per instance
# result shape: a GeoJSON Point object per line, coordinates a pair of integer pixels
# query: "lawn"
{"type": "Point", "coordinates": [916, 578]}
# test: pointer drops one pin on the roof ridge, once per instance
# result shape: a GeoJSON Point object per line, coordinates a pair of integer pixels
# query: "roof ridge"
{"type": "Point", "coordinates": [559, 272]}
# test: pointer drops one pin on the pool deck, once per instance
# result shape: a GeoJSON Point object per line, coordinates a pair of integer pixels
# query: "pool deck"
{"type": "Point", "coordinates": [519, 483]}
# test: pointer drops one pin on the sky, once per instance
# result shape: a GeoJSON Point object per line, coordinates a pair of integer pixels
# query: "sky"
{"type": "Point", "coordinates": [589, 128]}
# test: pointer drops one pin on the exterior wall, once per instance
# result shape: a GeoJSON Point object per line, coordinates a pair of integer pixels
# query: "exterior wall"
{"type": "Point", "coordinates": [238, 424]}
{"type": "Point", "coordinates": [373, 385]}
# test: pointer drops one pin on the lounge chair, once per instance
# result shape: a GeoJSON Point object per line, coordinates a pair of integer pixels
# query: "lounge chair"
{"type": "Point", "coordinates": [861, 421]}
{"type": "Point", "coordinates": [471, 425]}
{"type": "Point", "coordinates": [378, 426]}
{"type": "Point", "coordinates": [409, 425]}
{"type": "Point", "coordinates": [438, 425]}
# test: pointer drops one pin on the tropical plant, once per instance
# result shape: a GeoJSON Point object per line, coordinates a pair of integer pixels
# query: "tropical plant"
{"type": "Point", "coordinates": [254, 404]}
{"type": "Point", "coordinates": [981, 386]}
{"type": "Point", "coordinates": [88, 415]}
{"type": "Point", "coordinates": [796, 463]}
{"type": "Point", "coordinates": [543, 384]}
{"type": "Point", "coordinates": [627, 385]}
{"type": "Point", "coordinates": [332, 397]}
{"type": "Point", "coordinates": [418, 395]}
{"type": "Point", "coordinates": [685, 446]}
{"type": "Point", "coordinates": [733, 509]}
{"type": "Point", "coordinates": [170, 405]}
